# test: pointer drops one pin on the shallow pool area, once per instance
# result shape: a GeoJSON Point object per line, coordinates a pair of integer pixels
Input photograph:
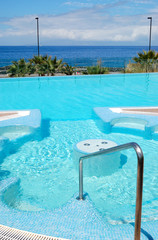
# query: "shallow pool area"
{"type": "Point", "coordinates": [47, 173]}
{"type": "Point", "coordinates": [39, 177]}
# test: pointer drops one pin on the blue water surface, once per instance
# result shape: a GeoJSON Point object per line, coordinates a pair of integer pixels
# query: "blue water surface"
{"type": "Point", "coordinates": [111, 56]}
{"type": "Point", "coordinates": [45, 167]}
{"type": "Point", "coordinates": [73, 98]}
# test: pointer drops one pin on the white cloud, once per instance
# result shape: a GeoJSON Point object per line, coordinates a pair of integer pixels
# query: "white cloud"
{"type": "Point", "coordinates": [155, 10]}
{"type": "Point", "coordinates": [78, 4]}
{"type": "Point", "coordinates": [83, 25]}
{"type": "Point", "coordinates": [143, 1]}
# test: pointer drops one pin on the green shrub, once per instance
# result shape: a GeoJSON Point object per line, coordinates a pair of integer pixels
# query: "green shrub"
{"type": "Point", "coordinates": [97, 70]}
{"type": "Point", "coordinates": [145, 62]}
{"type": "Point", "coordinates": [41, 65]}
{"type": "Point", "coordinates": [18, 68]}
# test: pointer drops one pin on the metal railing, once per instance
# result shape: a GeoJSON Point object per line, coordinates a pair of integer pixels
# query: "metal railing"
{"type": "Point", "coordinates": [139, 190]}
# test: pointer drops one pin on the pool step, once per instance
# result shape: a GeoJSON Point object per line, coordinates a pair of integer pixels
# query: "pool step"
{"type": "Point", "coordinates": [31, 118]}
{"type": "Point", "coordinates": [143, 120]}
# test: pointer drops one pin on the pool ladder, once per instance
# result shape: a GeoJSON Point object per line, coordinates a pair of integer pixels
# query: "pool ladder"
{"type": "Point", "coordinates": [139, 190]}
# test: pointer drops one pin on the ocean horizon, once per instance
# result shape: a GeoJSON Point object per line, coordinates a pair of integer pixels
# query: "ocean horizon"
{"type": "Point", "coordinates": [80, 56]}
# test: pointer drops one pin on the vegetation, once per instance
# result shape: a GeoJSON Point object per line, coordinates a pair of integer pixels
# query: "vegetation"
{"type": "Point", "coordinates": [67, 69]}
{"type": "Point", "coordinates": [18, 68]}
{"type": "Point", "coordinates": [98, 69]}
{"type": "Point", "coordinates": [41, 65]}
{"type": "Point", "coordinates": [46, 66]}
{"type": "Point", "coordinates": [145, 62]}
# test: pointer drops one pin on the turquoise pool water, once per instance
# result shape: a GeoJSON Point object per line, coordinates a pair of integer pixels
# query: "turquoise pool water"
{"type": "Point", "coordinates": [48, 178]}
{"type": "Point", "coordinates": [73, 98]}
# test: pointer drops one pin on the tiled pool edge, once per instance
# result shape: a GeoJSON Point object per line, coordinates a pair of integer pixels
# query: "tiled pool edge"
{"type": "Point", "coordinates": [7, 233]}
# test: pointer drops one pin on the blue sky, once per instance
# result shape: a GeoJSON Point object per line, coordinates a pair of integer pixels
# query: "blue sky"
{"type": "Point", "coordinates": [88, 22]}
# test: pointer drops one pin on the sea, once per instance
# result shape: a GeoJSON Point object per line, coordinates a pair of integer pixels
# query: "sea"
{"type": "Point", "coordinates": [79, 56]}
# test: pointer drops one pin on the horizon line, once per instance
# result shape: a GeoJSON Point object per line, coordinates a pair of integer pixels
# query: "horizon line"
{"type": "Point", "coordinates": [78, 46]}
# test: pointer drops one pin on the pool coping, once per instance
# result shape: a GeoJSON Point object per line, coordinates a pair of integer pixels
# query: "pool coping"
{"type": "Point", "coordinates": [16, 234]}
{"type": "Point", "coordinates": [137, 110]}
{"type": "Point", "coordinates": [72, 76]}
{"type": "Point", "coordinates": [5, 115]}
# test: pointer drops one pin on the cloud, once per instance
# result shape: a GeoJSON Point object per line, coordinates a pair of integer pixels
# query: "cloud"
{"type": "Point", "coordinates": [78, 4]}
{"type": "Point", "coordinates": [155, 10]}
{"type": "Point", "coordinates": [143, 1]}
{"type": "Point", "coordinates": [99, 5]}
{"type": "Point", "coordinates": [84, 25]}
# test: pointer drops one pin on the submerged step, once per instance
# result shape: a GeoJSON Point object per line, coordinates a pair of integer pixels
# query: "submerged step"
{"type": "Point", "coordinates": [144, 119]}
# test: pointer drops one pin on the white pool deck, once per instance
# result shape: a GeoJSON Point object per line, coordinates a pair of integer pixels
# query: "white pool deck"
{"type": "Point", "coordinates": [137, 110]}
{"type": "Point", "coordinates": [5, 115]}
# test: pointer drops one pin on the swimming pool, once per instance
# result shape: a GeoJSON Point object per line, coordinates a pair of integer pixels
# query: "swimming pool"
{"type": "Point", "coordinates": [44, 164]}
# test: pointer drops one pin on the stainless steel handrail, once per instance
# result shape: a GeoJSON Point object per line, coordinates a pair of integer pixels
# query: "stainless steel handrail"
{"type": "Point", "coordinates": [140, 167]}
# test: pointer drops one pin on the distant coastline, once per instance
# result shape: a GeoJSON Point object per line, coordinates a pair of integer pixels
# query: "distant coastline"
{"type": "Point", "coordinates": [79, 56]}
{"type": "Point", "coordinates": [79, 71]}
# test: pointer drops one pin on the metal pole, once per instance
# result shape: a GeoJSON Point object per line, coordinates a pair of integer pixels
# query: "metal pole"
{"type": "Point", "coordinates": [150, 32]}
{"type": "Point", "coordinates": [81, 179]}
{"type": "Point", "coordinates": [37, 34]}
{"type": "Point", "coordinates": [140, 168]}
{"type": "Point", "coordinates": [139, 195]}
